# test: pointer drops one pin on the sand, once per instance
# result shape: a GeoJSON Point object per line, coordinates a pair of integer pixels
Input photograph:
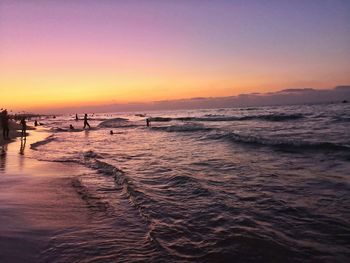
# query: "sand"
{"type": "Point", "coordinates": [15, 131]}
{"type": "Point", "coordinates": [36, 201]}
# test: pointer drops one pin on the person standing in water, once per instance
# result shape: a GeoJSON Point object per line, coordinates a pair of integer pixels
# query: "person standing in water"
{"type": "Point", "coordinates": [76, 117]}
{"type": "Point", "coordinates": [86, 121]}
{"type": "Point", "coordinates": [24, 127]}
{"type": "Point", "coordinates": [148, 122]}
{"type": "Point", "coordinates": [5, 124]}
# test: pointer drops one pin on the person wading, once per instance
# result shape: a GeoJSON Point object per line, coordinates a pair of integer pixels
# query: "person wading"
{"type": "Point", "coordinates": [86, 121]}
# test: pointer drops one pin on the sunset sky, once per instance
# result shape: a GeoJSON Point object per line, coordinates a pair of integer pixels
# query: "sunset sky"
{"type": "Point", "coordinates": [72, 53]}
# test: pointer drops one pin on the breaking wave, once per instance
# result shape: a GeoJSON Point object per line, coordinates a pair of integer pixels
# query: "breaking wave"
{"type": "Point", "coordinates": [135, 196]}
{"type": "Point", "coordinates": [34, 146]}
{"type": "Point", "coordinates": [66, 130]}
{"type": "Point", "coordinates": [114, 123]}
{"type": "Point", "coordinates": [342, 119]}
{"type": "Point", "coordinates": [160, 119]}
{"type": "Point", "coordinates": [183, 128]}
{"type": "Point", "coordinates": [283, 144]}
{"type": "Point", "coordinates": [218, 118]}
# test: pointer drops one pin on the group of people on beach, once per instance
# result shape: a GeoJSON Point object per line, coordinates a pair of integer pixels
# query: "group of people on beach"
{"type": "Point", "coordinates": [5, 119]}
{"type": "Point", "coordinates": [5, 125]}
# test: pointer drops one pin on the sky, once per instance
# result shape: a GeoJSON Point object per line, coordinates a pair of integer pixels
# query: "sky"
{"type": "Point", "coordinates": [56, 54]}
{"type": "Point", "coordinates": [337, 95]}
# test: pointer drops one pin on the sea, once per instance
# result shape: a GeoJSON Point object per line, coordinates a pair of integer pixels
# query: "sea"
{"type": "Point", "coordinates": [252, 184]}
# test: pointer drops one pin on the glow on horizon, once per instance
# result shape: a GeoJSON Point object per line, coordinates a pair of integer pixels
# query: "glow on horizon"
{"type": "Point", "coordinates": [75, 53]}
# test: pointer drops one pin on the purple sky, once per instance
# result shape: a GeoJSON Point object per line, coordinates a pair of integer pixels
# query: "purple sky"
{"type": "Point", "coordinates": [103, 51]}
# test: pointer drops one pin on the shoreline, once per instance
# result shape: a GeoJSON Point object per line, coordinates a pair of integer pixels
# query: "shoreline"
{"type": "Point", "coordinates": [15, 132]}
{"type": "Point", "coordinates": [36, 201]}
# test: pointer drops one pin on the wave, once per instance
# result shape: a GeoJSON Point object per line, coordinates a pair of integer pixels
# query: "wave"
{"type": "Point", "coordinates": [91, 154]}
{"type": "Point", "coordinates": [183, 128]}
{"type": "Point", "coordinates": [160, 119]}
{"type": "Point", "coordinates": [34, 146]}
{"type": "Point", "coordinates": [85, 194]}
{"type": "Point", "coordinates": [274, 117]}
{"type": "Point", "coordinates": [66, 130]}
{"type": "Point", "coordinates": [266, 117]}
{"type": "Point", "coordinates": [189, 184]}
{"type": "Point", "coordinates": [119, 123]}
{"type": "Point", "coordinates": [135, 196]}
{"type": "Point", "coordinates": [341, 119]}
{"type": "Point", "coordinates": [217, 118]}
{"type": "Point", "coordinates": [209, 118]}
{"type": "Point", "coordinates": [109, 170]}
{"type": "Point", "coordinates": [116, 123]}
{"type": "Point", "coordinates": [284, 145]}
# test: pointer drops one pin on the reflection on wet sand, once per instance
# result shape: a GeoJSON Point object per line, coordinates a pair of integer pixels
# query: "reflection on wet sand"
{"type": "Point", "coordinates": [3, 153]}
{"type": "Point", "coordinates": [23, 145]}
{"type": "Point", "coordinates": [21, 153]}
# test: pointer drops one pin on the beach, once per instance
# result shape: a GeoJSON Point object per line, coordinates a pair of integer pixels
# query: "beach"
{"type": "Point", "coordinates": [174, 131]}
{"type": "Point", "coordinates": [263, 184]}
{"type": "Point", "coordinates": [14, 133]}
{"type": "Point", "coordinates": [36, 202]}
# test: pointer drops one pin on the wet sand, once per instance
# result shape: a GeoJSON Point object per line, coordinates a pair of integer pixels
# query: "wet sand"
{"type": "Point", "coordinates": [36, 202]}
{"type": "Point", "coordinates": [15, 132]}
{"type": "Point", "coordinates": [13, 135]}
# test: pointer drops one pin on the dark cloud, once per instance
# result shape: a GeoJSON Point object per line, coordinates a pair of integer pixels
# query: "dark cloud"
{"type": "Point", "coordinates": [283, 97]}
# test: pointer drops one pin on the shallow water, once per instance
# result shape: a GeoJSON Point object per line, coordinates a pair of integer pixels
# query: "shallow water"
{"type": "Point", "coordinates": [250, 184]}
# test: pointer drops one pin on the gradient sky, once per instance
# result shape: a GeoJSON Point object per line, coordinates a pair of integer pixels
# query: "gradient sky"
{"type": "Point", "coordinates": [65, 53]}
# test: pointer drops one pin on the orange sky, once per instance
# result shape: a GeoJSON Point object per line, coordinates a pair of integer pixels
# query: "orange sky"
{"type": "Point", "coordinates": [63, 54]}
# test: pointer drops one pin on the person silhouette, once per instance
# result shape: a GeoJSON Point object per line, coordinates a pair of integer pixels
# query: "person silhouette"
{"type": "Point", "coordinates": [71, 127]}
{"type": "Point", "coordinates": [5, 125]}
{"type": "Point", "coordinates": [76, 117]}
{"type": "Point", "coordinates": [24, 127]}
{"type": "Point", "coordinates": [86, 121]}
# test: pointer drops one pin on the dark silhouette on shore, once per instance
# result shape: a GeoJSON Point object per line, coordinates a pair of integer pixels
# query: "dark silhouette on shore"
{"type": "Point", "coordinates": [35, 123]}
{"type": "Point", "coordinates": [71, 127]}
{"type": "Point", "coordinates": [76, 117]}
{"type": "Point", "coordinates": [111, 132]}
{"type": "Point", "coordinates": [24, 127]}
{"type": "Point", "coordinates": [86, 121]}
{"type": "Point", "coordinates": [5, 125]}
{"type": "Point", "coordinates": [148, 122]}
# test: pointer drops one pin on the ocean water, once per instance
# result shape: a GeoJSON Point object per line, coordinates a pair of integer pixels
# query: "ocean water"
{"type": "Point", "coordinates": [266, 184]}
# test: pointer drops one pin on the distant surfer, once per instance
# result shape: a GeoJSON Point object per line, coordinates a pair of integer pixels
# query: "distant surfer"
{"type": "Point", "coordinates": [35, 123]}
{"type": "Point", "coordinates": [86, 121]}
{"type": "Point", "coordinates": [71, 127]}
{"type": "Point", "coordinates": [148, 122]}
{"type": "Point", "coordinates": [111, 132]}
{"type": "Point", "coordinates": [76, 117]}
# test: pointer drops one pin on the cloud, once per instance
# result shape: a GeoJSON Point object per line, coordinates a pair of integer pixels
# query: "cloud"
{"type": "Point", "coordinates": [283, 97]}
